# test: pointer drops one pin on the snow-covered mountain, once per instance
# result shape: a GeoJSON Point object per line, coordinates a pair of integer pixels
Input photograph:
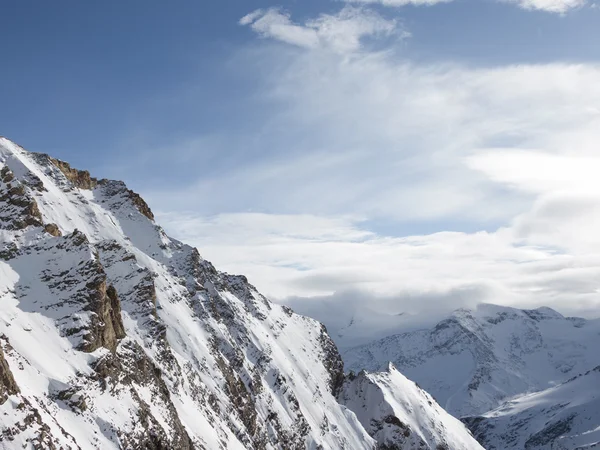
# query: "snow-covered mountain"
{"type": "Point", "coordinates": [475, 359]}
{"type": "Point", "coordinates": [113, 335]}
{"type": "Point", "coordinates": [566, 416]}
{"type": "Point", "coordinates": [399, 414]}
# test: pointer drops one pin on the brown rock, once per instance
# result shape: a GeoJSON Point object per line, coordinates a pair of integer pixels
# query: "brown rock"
{"type": "Point", "coordinates": [141, 205]}
{"type": "Point", "coordinates": [52, 229]}
{"type": "Point", "coordinates": [8, 385]}
{"type": "Point", "coordinates": [79, 178]}
{"type": "Point", "coordinates": [106, 325]}
{"type": "Point", "coordinates": [115, 312]}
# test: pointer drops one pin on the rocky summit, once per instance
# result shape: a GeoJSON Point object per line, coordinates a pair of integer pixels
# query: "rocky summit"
{"type": "Point", "coordinates": [115, 336]}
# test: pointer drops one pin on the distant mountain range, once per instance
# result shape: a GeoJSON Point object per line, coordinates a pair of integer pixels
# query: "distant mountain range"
{"type": "Point", "coordinates": [525, 379]}
{"type": "Point", "coordinates": [474, 359]}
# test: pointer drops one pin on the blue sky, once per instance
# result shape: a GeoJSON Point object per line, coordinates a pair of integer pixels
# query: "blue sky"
{"type": "Point", "coordinates": [83, 80]}
{"type": "Point", "coordinates": [392, 156]}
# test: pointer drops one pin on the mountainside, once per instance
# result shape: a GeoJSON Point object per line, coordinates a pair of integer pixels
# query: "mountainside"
{"type": "Point", "coordinates": [473, 360]}
{"type": "Point", "coordinates": [399, 414]}
{"type": "Point", "coordinates": [566, 416]}
{"type": "Point", "coordinates": [113, 335]}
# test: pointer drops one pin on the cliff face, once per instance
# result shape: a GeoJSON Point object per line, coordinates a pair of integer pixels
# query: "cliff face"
{"type": "Point", "coordinates": [8, 385]}
{"type": "Point", "coordinates": [117, 336]}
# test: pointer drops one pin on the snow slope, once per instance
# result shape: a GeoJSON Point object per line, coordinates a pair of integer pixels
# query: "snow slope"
{"type": "Point", "coordinates": [113, 335]}
{"type": "Point", "coordinates": [566, 416]}
{"type": "Point", "coordinates": [397, 412]}
{"type": "Point", "coordinates": [474, 360]}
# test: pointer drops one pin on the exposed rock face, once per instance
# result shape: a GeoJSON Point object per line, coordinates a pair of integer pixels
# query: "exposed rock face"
{"type": "Point", "coordinates": [332, 361]}
{"type": "Point", "coordinates": [87, 310]}
{"type": "Point", "coordinates": [18, 209]}
{"type": "Point", "coordinates": [8, 385]}
{"type": "Point", "coordinates": [52, 229]}
{"type": "Point", "coordinates": [121, 196]}
{"type": "Point", "coordinates": [141, 205]}
{"type": "Point", "coordinates": [79, 178]}
{"type": "Point", "coordinates": [129, 368]}
{"type": "Point", "coordinates": [106, 325]}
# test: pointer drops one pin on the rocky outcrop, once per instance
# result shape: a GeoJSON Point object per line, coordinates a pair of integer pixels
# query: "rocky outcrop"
{"type": "Point", "coordinates": [80, 178]}
{"type": "Point", "coordinates": [89, 307]}
{"type": "Point", "coordinates": [18, 208]}
{"type": "Point", "coordinates": [106, 325]}
{"type": "Point", "coordinates": [8, 385]}
{"type": "Point", "coordinates": [52, 229]}
{"type": "Point", "coordinates": [140, 204]}
{"type": "Point", "coordinates": [332, 361]}
{"type": "Point", "coordinates": [121, 197]}
{"type": "Point", "coordinates": [129, 370]}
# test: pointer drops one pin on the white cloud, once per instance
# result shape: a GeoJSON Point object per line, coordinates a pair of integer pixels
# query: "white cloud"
{"type": "Point", "coordinates": [275, 24]}
{"type": "Point", "coordinates": [341, 32]}
{"type": "Point", "coordinates": [553, 6]}
{"type": "Point", "coordinates": [334, 270]}
{"type": "Point", "coordinates": [371, 142]}
{"type": "Point", "coordinates": [383, 139]}
{"type": "Point", "coordinates": [397, 3]}
{"type": "Point", "coordinates": [567, 188]}
{"type": "Point", "coordinates": [539, 172]}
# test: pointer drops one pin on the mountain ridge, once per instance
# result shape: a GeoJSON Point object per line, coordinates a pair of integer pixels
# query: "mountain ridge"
{"type": "Point", "coordinates": [114, 335]}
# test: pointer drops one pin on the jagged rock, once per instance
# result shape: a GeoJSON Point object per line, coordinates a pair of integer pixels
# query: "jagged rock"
{"type": "Point", "coordinates": [79, 178]}
{"type": "Point", "coordinates": [129, 369]}
{"type": "Point", "coordinates": [106, 325]}
{"type": "Point", "coordinates": [333, 362]}
{"type": "Point", "coordinates": [52, 229]}
{"type": "Point", "coordinates": [18, 208]}
{"type": "Point", "coordinates": [8, 385]}
{"type": "Point", "coordinates": [120, 195]}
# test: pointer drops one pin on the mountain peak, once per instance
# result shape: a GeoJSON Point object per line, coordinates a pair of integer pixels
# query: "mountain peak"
{"type": "Point", "coordinates": [543, 313]}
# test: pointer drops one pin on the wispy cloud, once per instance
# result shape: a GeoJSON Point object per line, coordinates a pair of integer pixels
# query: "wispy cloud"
{"type": "Point", "coordinates": [552, 6]}
{"type": "Point", "coordinates": [396, 3]}
{"type": "Point", "coordinates": [341, 32]}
